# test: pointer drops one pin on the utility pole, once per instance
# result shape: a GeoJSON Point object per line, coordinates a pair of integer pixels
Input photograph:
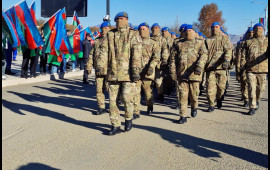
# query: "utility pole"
{"type": "Point", "coordinates": [107, 16]}
{"type": "Point", "coordinates": [266, 15]}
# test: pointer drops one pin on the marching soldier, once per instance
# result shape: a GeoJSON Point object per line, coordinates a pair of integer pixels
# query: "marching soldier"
{"type": "Point", "coordinates": [220, 54]}
{"type": "Point", "coordinates": [189, 57]}
{"type": "Point", "coordinates": [123, 48]}
{"type": "Point", "coordinates": [162, 43]}
{"type": "Point", "coordinates": [254, 61]}
{"type": "Point", "coordinates": [100, 65]}
{"type": "Point", "coordinates": [150, 59]}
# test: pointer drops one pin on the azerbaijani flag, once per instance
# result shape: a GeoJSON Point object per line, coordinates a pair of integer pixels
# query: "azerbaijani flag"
{"type": "Point", "coordinates": [75, 21]}
{"type": "Point", "coordinates": [32, 34]}
{"type": "Point", "coordinates": [97, 34]}
{"type": "Point", "coordinates": [11, 14]}
{"type": "Point", "coordinates": [33, 11]}
{"type": "Point", "coordinates": [75, 40]}
{"type": "Point", "coordinates": [61, 40]}
{"type": "Point", "coordinates": [9, 31]}
{"type": "Point", "coordinates": [49, 32]}
{"type": "Point", "coordinates": [261, 20]}
{"type": "Point", "coordinates": [83, 33]}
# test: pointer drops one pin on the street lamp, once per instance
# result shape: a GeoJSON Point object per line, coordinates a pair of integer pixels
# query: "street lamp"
{"type": "Point", "coordinates": [266, 12]}
{"type": "Point", "coordinates": [107, 16]}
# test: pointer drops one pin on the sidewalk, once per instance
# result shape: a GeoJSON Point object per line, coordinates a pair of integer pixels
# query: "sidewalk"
{"type": "Point", "coordinates": [14, 80]}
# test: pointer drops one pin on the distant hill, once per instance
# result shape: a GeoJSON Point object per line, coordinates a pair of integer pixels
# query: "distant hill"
{"type": "Point", "coordinates": [234, 38]}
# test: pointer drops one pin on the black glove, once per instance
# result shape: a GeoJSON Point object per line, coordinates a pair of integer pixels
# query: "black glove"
{"type": "Point", "coordinates": [198, 70]}
{"type": "Point", "coordinates": [99, 71]}
{"type": "Point", "coordinates": [136, 78]}
{"type": "Point", "coordinates": [226, 65]}
{"type": "Point", "coordinates": [163, 65]}
{"type": "Point", "coordinates": [150, 71]}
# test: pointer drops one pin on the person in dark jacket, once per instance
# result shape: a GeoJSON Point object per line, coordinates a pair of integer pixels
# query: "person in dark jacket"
{"type": "Point", "coordinates": [87, 46]}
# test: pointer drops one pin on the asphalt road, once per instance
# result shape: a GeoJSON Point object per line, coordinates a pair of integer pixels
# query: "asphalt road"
{"type": "Point", "coordinates": [50, 125]}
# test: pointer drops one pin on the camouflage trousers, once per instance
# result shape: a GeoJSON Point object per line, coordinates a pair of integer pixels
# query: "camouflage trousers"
{"type": "Point", "coordinates": [128, 91]}
{"type": "Point", "coordinates": [215, 85]}
{"type": "Point", "coordinates": [256, 87]}
{"type": "Point", "coordinates": [101, 86]}
{"type": "Point", "coordinates": [159, 81]}
{"type": "Point", "coordinates": [188, 90]}
{"type": "Point", "coordinates": [148, 92]}
{"type": "Point", "coordinates": [244, 86]}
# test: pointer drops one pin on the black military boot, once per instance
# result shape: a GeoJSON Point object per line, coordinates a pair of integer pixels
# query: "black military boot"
{"type": "Point", "coordinates": [251, 111]}
{"type": "Point", "coordinates": [182, 120]}
{"type": "Point", "coordinates": [128, 125]}
{"type": "Point", "coordinates": [101, 111]}
{"type": "Point", "coordinates": [193, 112]}
{"type": "Point", "coordinates": [160, 97]}
{"type": "Point", "coordinates": [257, 106]}
{"type": "Point", "coordinates": [219, 103]}
{"type": "Point", "coordinates": [136, 116]}
{"type": "Point", "coordinates": [245, 104]}
{"type": "Point", "coordinates": [211, 109]}
{"type": "Point", "coordinates": [115, 130]}
{"type": "Point", "coordinates": [149, 110]}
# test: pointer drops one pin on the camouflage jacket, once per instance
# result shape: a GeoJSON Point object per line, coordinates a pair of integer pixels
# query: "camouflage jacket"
{"type": "Point", "coordinates": [238, 54]}
{"type": "Point", "coordinates": [169, 43]}
{"type": "Point", "coordinates": [164, 51]}
{"type": "Point", "coordinates": [124, 50]}
{"type": "Point", "coordinates": [219, 49]}
{"type": "Point", "coordinates": [254, 55]}
{"type": "Point", "coordinates": [94, 57]}
{"type": "Point", "coordinates": [150, 57]}
{"type": "Point", "coordinates": [186, 56]}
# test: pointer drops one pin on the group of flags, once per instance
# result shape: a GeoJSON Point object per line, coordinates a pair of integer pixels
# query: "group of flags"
{"type": "Point", "coordinates": [19, 25]}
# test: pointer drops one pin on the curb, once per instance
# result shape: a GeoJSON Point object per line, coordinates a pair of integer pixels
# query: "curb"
{"type": "Point", "coordinates": [40, 78]}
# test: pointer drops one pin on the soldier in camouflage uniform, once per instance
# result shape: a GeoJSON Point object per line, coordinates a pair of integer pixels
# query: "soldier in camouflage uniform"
{"type": "Point", "coordinates": [167, 80]}
{"type": "Point", "coordinates": [189, 57]}
{"type": "Point", "coordinates": [162, 43]}
{"type": "Point", "coordinates": [150, 59]}
{"type": "Point", "coordinates": [123, 48]}
{"type": "Point", "coordinates": [243, 75]}
{"type": "Point", "coordinates": [100, 65]}
{"type": "Point", "coordinates": [254, 61]}
{"type": "Point", "coordinates": [220, 54]}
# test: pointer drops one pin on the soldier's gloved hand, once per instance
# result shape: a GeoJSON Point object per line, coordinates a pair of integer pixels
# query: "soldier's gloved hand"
{"type": "Point", "coordinates": [89, 72]}
{"type": "Point", "coordinates": [150, 71]}
{"type": "Point", "coordinates": [226, 65]}
{"type": "Point", "coordinates": [99, 71]}
{"type": "Point", "coordinates": [198, 70]}
{"type": "Point", "coordinates": [136, 78]}
{"type": "Point", "coordinates": [163, 65]}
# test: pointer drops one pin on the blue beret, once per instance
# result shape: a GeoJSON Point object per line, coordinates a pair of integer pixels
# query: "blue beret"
{"type": "Point", "coordinates": [177, 35]}
{"type": "Point", "coordinates": [188, 27]}
{"type": "Point", "coordinates": [105, 24]}
{"type": "Point", "coordinates": [144, 24]}
{"type": "Point", "coordinates": [200, 33]}
{"type": "Point", "coordinates": [182, 26]}
{"type": "Point", "coordinates": [221, 28]}
{"type": "Point", "coordinates": [250, 29]}
{"type": "Point", "coordinates": [165, 29]}
{"type": "Point", "coordinates": [130, 25]}
{"type": "Point", "coordinates": [215, 24]}
{"type": "Point", "coordinates": [225, 33]}
{"type": "Point", "coordinates": [257, 25]}
{"type": "Point", "coordinates": [173, 33]}
{"type": "Point", "coordinates": [121, 14]}
{"type": "Point", "coordinates": [135, 28]}
{"type": "Point", "coordinates": [155, 25]}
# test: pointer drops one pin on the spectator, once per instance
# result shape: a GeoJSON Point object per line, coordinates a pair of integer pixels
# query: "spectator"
{"type": "Point", "coordinates": [86, 51]}
{"type": "Point", "coordinates": [4, 48]}
{"type": "Point", "coordinates": [9, 52]}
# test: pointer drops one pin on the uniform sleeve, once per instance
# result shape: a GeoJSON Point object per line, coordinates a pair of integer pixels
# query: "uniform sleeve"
{"type": "Point", "coordinates": [90, 60]}
{"type": "Point", "coordinates": [164, 51]}
{"type": "Point", "coordinates": [244, 52]}
{"type": "Point", "coordinates": [104, 52]}
{"type": "Point", "coordinates": [227, 50]}
{"type": "Point", "coordinates": [203, 53]}
{"type": "Point", "coordinates": [156, 56]}
{"type": "Point", "coordinates": [173, 62]}
{"type": "Point", "coordinates": [136, 54]}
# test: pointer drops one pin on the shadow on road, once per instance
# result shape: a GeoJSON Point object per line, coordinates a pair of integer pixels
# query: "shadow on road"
{"type": "Point", "coordinates": [38, 166]}
{"type": "Point", "coordinates": [204, 148]}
